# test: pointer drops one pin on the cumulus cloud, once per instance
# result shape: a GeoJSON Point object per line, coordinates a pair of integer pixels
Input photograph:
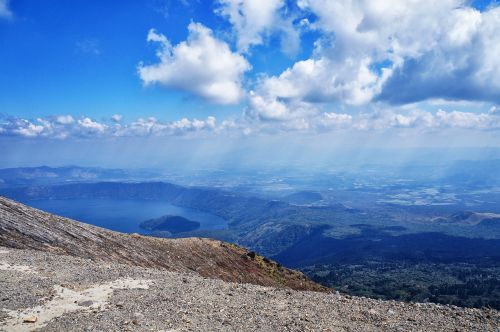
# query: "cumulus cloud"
{"type": "Point", "coordinates": [5, 11]}
{"type": "Point", "coordinates": [393, 51]}
{"type": "Point", "coordinates": [462, 65]}
{"type": "Point", "coordinates": [250, 18]}
{"type": "Point", "coordinates": [22, 127]}
{"type": "Point", "coordinates": [255, 19]}
{"type": "Point", "coordinates": [202, 65]}
{"type": "Point", "coordinates": [28, 129]}
{"type": "Point", "coordinates": [266, 107]}
{"type": "Point", "coordinates": [91, 125]}
{"type": "Point", "coordinates": [311, 82]}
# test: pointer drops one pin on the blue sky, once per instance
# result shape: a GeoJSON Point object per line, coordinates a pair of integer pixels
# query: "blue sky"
{"type": "Point", "coordinates": [80, 57]}
{"type": "Point", "coordinates": [73, 70]}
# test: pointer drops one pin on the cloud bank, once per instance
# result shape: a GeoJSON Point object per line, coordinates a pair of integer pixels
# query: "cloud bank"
{"type": "Point", "coordinates": [378, 121]}
{"type": "Point", "coordinates": [65, 126]}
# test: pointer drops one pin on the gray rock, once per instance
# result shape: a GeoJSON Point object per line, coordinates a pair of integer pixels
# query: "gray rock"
{"type": "Point", "coordinates": [146, 299]}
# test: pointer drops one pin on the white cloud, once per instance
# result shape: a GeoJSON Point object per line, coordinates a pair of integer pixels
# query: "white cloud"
{"type": "Point", "coordinates": [393, 51]}
{"type": "Point", "coordinates": [307, 121]}
{"type": "Point", "coordinates": [469, 120]}
{"type": "Point", "coordinates": [24, 128]}
{"type": "Point", "coordinates": [335, 120]}
{"type": "Point", "coordinates": [65, 119]}
{"type": "Point", "coordinates": [321, 80]}
{"type": "Point", "coordinates": [266, 107]}
{"type": "Point", "coordinates": [91, 125]}
{"type": "Point", "coordinates": [85, 127]}
{"type": "Point", "coordinates": [251, 19]}
{"type": "Point", "coordinates": [5, 11]}
{"type": "Point", "coordinates": [463, 65]}
{"type": "Point", "coordinates": [383, 120]}
{"type": "Point", "coordinates": [254, 22]}
{"type": "Point", "coordinates": [304, 119]}
{"type": "Point", "coordinates": [311, 82]}
{"type": "Point", "coordinates": [424, 120]}
{"type": "Point", "coordinates": [153, 127]}
{"type": "Point", "coordinates": [116, 117]}
{"type": "Point", "coordinates": [193, 125]}
{"type": "Point", "coordinates": [202, 65]}
{"type": "Point", "coordinates": [28, 129]}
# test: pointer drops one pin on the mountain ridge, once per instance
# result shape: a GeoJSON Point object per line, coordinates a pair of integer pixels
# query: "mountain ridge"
{"type": "Point", "coordinates": [23, 227]}
{"type": "Point", "coordinates": [61, 275]}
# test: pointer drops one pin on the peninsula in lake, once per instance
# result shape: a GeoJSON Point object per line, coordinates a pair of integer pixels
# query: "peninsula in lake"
{"type": "Point", "coordinates": [170, 223]}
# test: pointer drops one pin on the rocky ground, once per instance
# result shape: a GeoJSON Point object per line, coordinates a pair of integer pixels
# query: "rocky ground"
{"type": "Point", "coordinates": [41, 290]}
{"type": "Point", "coordinates": [57, 274]}
{"type": "Point", "coordinates": [24, 227]}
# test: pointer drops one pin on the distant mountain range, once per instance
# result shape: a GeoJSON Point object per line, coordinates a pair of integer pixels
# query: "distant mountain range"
{"type": "Point", "coordinates": [45, 175]}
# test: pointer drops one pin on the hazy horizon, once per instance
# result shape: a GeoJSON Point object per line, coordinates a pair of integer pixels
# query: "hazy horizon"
{"type": "Point", "coordinates": [248, 83]}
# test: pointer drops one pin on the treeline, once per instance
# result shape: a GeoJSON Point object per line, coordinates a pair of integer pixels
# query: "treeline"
{"type": "Point", "coordinates": [460, 284]}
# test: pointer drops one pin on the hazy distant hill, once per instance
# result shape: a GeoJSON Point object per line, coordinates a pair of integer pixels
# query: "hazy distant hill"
{"type": "Point", "coordinates": [44, 175]}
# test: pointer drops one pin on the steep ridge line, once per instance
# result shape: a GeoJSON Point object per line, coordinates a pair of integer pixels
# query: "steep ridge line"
{"type": "Point", "coordinates": [24, 227]}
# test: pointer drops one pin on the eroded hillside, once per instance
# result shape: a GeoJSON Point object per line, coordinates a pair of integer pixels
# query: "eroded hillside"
{"type": "Point", "coordinates": [23, 227]}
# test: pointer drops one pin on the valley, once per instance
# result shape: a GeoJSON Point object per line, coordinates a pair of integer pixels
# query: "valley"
{"type": "Point", "coordinates": [355, 238]}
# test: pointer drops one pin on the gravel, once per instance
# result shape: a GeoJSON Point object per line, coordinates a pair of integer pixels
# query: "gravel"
{"type": "Point", "coordinates": [40, 290]}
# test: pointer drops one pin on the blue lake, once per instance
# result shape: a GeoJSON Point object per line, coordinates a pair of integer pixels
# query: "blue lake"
{"type": "Point", "coordinates": [123, 215]}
